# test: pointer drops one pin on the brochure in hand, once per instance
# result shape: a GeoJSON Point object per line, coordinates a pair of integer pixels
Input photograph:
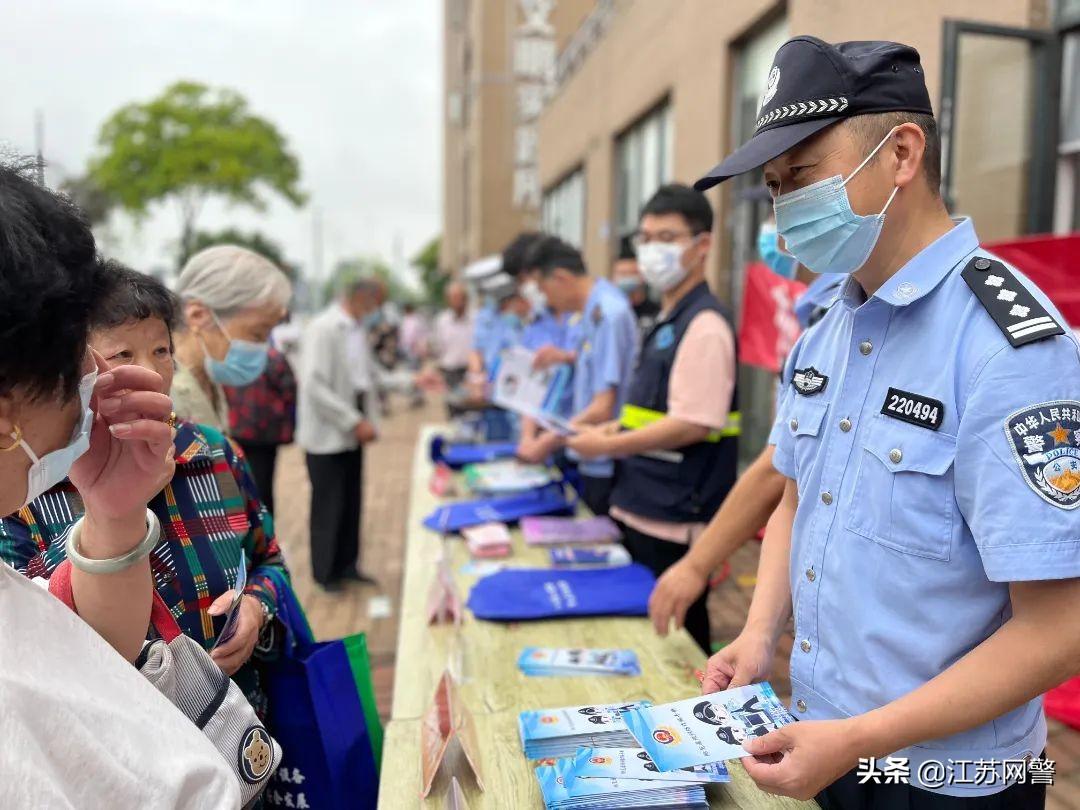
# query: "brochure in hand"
{"type": "Point", "coordinates": [523, 389]}
{"type": "Point", "coordinates": [577, 661]}
{"type": "Point", "coordinates": [708, 728]}
{"type": "Point", "coordinates": [549, 733]}
{"type": "Point", "coordinates": [232, 618]}
{"type": "Point", "coordinates": [563, 791]}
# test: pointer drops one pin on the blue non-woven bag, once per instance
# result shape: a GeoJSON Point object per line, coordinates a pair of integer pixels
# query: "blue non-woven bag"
{"type": "Point", "coordinates": [457, 456]}
{"type": "Point", "coordinates": [520, 594]}
{"type": "Point", "coordinates": [317, 715]}
{"type": "Point", "coordinates": [547, 500]}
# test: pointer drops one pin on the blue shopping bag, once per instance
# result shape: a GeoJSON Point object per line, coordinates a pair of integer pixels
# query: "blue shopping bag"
{"type": "Point", "coordinates": [550, 499]}
{"type": "Point", "coordinates": [317, 714]}
{"type": "Point", "coordinates": [456, 456]}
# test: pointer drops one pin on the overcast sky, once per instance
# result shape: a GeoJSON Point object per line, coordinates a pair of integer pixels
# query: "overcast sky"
{"type": "Point", "coordinates": [354, 85]}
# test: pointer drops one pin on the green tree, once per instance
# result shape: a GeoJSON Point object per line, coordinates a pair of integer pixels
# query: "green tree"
{"type": "Point", "coordinates": [432, 279]}
{"type": "Point", "coordinates": [253, 240]}
{"type": "Point", "coordinates": [188, 144]}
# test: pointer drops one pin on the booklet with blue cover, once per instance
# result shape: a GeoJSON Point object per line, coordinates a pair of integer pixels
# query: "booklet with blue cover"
{"type": "Point", "coordinates": [707, 728]}
{"type": "Point", "coordinates": [635, 763]}
{"type": "Point", "coordinates": [549, 733]}
{"type": "Point", "coordinates": [571, 661]}
{"type": "Point", "coordinates": [563, 791]}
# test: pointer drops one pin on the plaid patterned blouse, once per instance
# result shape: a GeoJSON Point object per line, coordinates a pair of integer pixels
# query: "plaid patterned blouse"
{"type": "Point", "coordinates": [208, 513]}
{"type": "Point", "coordinates": [265, 411]}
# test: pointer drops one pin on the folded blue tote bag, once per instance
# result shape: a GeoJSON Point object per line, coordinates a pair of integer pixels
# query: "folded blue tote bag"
{"type": "Point", "coordinates": [521, 594]}
{"type": "Point", "coordinates": [546, 500]}
{"type": "Point", "coordinates": [317, 713]}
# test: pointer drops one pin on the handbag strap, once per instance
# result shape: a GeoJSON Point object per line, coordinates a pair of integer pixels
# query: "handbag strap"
{"type": "Point", "coordinates": [160, 617]}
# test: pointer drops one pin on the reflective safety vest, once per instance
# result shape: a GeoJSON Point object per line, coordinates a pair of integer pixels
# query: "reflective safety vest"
{"type": "Point", "coordinates": [689, 484]}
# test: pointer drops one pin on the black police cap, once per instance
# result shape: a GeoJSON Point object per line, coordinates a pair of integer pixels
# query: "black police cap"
{"type": "Point", "coordinates": [813, 84]}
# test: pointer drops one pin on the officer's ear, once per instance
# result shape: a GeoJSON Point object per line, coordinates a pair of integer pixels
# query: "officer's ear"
{"type": "Point", "coordinates": [703, 244]}
{"type": "Point", "coordinates": [907, 146]}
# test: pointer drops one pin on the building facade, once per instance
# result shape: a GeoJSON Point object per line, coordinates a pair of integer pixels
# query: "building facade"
{"type": "Point", "coordinates": [645, 91]}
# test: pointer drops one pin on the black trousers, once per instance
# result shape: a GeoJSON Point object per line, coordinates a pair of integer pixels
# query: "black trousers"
{"type": "Point", "coordinates": [596, 492]}
{"type": "Point", "coordinates": [847, 794]}
{"type": "Point", "coordinates": [262, 459]}
{"type": "Point", "coordinates": [658, 556]}
{"type": "Point", "coordinates": [337, 481]}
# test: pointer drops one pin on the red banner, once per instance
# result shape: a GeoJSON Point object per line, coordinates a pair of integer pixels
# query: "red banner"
{"type": "Point", "coordinates": [1053, 263]}
{"type": "Point", "coordinates": [767, 325]}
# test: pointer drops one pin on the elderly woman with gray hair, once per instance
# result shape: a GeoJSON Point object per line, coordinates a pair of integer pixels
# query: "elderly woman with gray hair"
{"type": "Point", "coordinates": [231, 299]}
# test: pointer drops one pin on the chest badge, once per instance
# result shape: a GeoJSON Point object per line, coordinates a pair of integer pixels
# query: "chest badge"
{"type": "Point", "coordinates": [1045, 441]}
{"type": "Point", "coordinates": [915, 409]}
{"type": "Point", "coordinates": [809, 381]}
{"type": "Point", "coordinates": [665, 337]}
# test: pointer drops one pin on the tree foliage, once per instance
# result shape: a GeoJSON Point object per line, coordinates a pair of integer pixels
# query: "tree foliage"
{"type": "Point", "coordinates": [432, 279]}
{"type": "Point", "coordinates": [253, 240]}
{"type": "Point", "coordinates": [348, 270]}
{"type": "Point", "coordinates": [190, 143]}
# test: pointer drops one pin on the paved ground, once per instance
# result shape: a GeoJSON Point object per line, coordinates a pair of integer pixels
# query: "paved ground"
{"type": "Point", "coordinates": [386, 504]}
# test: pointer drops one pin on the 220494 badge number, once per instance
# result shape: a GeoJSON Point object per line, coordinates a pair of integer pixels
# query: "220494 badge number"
{"type": "Point", "coordinates": [1045, 441]}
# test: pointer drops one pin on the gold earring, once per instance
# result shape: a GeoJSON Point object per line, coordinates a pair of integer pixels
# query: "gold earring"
{"type": "Point", "coordinates": [16, 438]}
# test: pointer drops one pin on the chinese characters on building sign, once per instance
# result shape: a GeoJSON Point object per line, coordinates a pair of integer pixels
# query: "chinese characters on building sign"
{"type": "Point", "coordinates": [534, 74]}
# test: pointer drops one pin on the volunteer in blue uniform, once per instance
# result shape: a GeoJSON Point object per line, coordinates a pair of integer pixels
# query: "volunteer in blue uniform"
{"type": "Point", "coordinates": [927, 541]}
{"type": "Point", "coordinates": [678, 452]}
{"type": "Point", "coordinates": [507, 328]}
{"type": "Point", "coordinates": [605, 354]}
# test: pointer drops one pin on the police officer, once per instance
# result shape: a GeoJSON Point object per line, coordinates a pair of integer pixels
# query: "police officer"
{"type": "Point", "coordinates": [678, 446]}
{"type": "Point", "coordinates": [926, 543]}
{"type": "Point", "coordinates": [604, 355]}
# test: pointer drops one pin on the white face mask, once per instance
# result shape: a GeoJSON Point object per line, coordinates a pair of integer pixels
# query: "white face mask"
{"type": "Point", "coordinates": [52, 468]}
{"type": "Point", "coordinates": [532, 293]}
{"type": "Point", "coordinates": [661, 264]}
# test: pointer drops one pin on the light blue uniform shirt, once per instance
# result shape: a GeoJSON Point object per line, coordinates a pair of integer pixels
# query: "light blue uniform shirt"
{"type": "Point", "coordinates": [906, 538]}
{"type": "Point", "coordinates": [818, 295]}
{"type": "Point", "coordinates": [484, 323]}
{"type": "Point", "coordinates": [505, 331]}
{"type": "Point", "coordinates": [607, 351]}
{"type": "Point", "coordinates": [549, 329]}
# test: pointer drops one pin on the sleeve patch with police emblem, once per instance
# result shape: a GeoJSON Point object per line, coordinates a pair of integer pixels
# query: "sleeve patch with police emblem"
{"type": "Point", "coordinates": [915, 409]}
{"type": "Point", "coordinates": [1017, 313]}
{"type": "Point", "coordinates": [1045, 441]}
{"type": "Point", "coordinates": [809, 381]}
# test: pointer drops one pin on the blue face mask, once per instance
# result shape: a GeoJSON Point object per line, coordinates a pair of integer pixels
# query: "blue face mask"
{"type": "Point", "coordinates": [820, 229]}
{"type": "Point", "coordinates": [628, 284]}
{"type": "Point", "coordinates": [768, 248]}
{"type": "Point", "coordinates": [372, 319]}
{"type": "Point", "coordinates": [243, 364]}
{"type": "Point", "coordinates": [511, 320]}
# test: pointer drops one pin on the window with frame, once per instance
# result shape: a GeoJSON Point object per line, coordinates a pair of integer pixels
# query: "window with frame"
{"type": "Point", "coordinates": [643, 163]}
{"type": "Point", "coordinates": [563, 212]}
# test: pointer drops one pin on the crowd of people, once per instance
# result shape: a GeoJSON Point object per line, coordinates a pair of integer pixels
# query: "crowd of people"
{"type": "Point", "coordinates": [918, 486]}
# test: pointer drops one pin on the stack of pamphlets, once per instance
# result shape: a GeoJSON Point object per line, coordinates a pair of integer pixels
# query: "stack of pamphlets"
{"type": "Point", "coordinates": [634, 763]}
{"type": "Point", "coordinates": [505, 476]}
{"type": "Point", "coordinates": [552, 733]}
{"type": "Point", "coordinates": [547, 531]}
{"type": "Point", "coordinates": [488, 540]}
{"type": "Point", "coordinates": [577, 661]}
{"type": "Point", "coordinates": [590, 555]}
{"type": "Point", "coordinates": [708, 728]}
{"type": "Point", "coordinates": [563, 791]}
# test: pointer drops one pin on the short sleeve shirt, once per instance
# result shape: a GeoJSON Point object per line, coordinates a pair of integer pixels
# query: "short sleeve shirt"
{"type": "Point", "coordinates": [935, 464]}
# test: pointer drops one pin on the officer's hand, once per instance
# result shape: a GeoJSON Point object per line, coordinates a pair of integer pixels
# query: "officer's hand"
{"type": "Point", "coordinates": [678, 588]}
{"type": "Point", "coordinates": [590, 444]}
{"type": "Point", "coordinates": [801, 759]}
{"type": "Point", "coordinates": [547, 356]}
{"type": "Point", "coordinates": [748, 659]}
{"type": "Point", "coordinates": [532, 451]}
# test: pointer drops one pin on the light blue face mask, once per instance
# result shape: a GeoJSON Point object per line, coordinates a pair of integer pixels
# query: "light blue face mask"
{"type": "Point", "coordinates": [768, 248]}
{"type": "Point", "coordinates": [820, 229]}
{"type": "Point", "coordinates": [244, 363]}
{"type": "Point", "coordinates": [629, 284]}
{"type": "Point", "coordinates": [372, 319]}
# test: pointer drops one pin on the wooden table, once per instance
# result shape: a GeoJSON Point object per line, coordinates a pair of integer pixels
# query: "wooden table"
{"type": "Point", "coordinates": [483, 655]}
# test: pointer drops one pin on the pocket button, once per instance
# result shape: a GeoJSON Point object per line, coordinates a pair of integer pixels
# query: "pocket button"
{"type": "Point", "coordinates": [895, 455]}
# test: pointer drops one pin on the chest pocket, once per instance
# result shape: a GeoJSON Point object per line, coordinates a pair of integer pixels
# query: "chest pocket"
{"type": "Point", "coordinates": [903, 496]}
{"type": "Point", "coordinates": [805, 417]}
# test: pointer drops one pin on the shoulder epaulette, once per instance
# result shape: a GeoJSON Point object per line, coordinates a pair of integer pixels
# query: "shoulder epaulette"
{"type": "Point", "coordinates": [1017, 313]}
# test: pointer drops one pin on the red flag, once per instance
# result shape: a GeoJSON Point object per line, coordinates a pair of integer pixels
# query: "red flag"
{"type": "Point", "coordinates": [1053, 263]}
{"type": "Point", "coordinates": [767, 326]}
